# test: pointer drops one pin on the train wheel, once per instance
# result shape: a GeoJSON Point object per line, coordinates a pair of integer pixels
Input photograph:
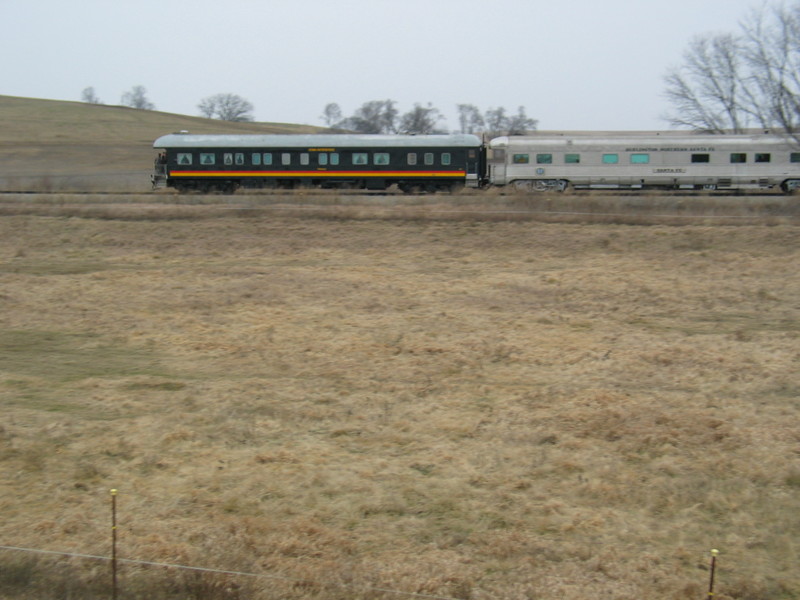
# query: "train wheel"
{"type": "Point", "coordinates": [791, 186]}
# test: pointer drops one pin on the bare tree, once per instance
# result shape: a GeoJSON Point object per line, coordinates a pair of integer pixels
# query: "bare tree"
{"type": "Point", "coordinates": [772, 51]}
{"type": "Point", "coordinates": [709, 92]}
{"type": "Point", "coordinates": [226, 107]}
{"type": "Point", "coordinates": [730, 82]}
{"type": "Point", "coordinates": [470, 118]}
{"type": "Point", "coordinates": [332, 115]}
{"type": "Point", "coordinates": [520, 124]}
{"type": "Point", "coordinates": [421, 120]}
{"type": "Point", "coordinates": [137, 98]}
{"type": "Point", "coordinates": [496, 121]}
{"type": "Point", "coordinates": [88, 96]}
{"type": "Point", "coordinates": [376, 116]}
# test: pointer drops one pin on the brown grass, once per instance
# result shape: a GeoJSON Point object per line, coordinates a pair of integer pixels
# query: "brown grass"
{"type": "Point", "coordinates": [48, 145]}
{"type": "Point", "coordinates": [452, 406]}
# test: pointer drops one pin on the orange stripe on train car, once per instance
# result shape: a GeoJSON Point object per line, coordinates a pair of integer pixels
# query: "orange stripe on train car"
{"type": "Point", "coordinates": [317, 174]}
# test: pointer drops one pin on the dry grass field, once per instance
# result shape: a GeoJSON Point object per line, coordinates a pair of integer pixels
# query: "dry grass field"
{"type": "Point", "coordinates": [430, 403]}
{"type": "Point", "coordinates": [378, 397]}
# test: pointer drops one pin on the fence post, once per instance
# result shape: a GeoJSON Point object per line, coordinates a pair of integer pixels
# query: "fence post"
{"type": "Point", "coordinates": [714, 554]}
{"type": "Point", "coordinates": [114, 544]}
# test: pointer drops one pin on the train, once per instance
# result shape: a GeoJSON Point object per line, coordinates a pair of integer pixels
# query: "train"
{"type": "Point", "coordinates": [537, 162]}
{"type": "Point", "coordinates": [422, 163]}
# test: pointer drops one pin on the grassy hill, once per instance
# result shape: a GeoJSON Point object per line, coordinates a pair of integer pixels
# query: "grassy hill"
{"type": "Point", "coordinates": [50, 143]}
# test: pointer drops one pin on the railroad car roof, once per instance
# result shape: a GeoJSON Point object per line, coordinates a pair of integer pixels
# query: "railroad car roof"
{"type": "Point", "coordinates": [640, 142]}
{"type": "Point", "coordinates": [184, 140]}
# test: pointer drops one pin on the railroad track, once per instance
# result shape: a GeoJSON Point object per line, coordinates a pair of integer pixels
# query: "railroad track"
{"type": "Point", "coordinates": [379, 193]}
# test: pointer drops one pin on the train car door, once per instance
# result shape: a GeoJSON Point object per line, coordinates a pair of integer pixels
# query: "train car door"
{"type": "Point", "coordinates": [474, 167]}
{"type": "Point", "coordinates": [497, 166]}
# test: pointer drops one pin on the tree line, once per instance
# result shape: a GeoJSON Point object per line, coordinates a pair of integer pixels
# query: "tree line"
{"type": "Point", "coordinates": [382, 116]}
{"type": "Point", "coordinates": [728, 82]}
{"type": "Point", "coordinates": [375, 116]}
{"type": "Point", "coordinates": [226, 107]}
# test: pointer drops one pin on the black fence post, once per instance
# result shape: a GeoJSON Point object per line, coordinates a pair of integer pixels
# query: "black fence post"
{"type": "Point", "coordinates": [714, 554]}
{"type": "Point", "coordinates": [114, 544]}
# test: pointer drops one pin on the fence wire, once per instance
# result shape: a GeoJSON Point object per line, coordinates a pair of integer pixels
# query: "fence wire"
{"type": "Point", "coordinates": [224, 572]}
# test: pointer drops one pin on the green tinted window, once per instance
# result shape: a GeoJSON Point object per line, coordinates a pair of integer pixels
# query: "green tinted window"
{"type": "Point", "coordinates": [544, 159]}
{"type": "Point", "coordinates": [738, 157]}
{"type": "Point", "coordinates": [572, 159]}
{"type": "Point", "coordinates": [610, 159]}
{"type": "Point", "coordinates": [522, 159]}
{"type": "Point", "coordinates": [640, 159]}
{"type": "Point", "coordinates": [795, 157]}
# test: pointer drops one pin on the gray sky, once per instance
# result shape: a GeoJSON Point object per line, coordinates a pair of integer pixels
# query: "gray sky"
{"type": "Point", "coordinates": [573, 64]}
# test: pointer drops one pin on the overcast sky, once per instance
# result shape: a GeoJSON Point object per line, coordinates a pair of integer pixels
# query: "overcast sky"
{"type": "Point", "coordinates": [573, 64]}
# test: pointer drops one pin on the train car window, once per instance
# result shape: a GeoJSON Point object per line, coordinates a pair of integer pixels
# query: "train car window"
{"type": "Point", "coordinates": [208, 158]}
{"type": "Point", "coordinates": [411, 158]}
{"type": "Point", "coordinates": [227, 158]}
{"type": "Point", "coordinates": [497, 155]}
{"type": "Point", "coordinates": [267, 158]}
{"type": "Point", "coordinates": [380, 158]}
{"type": "Point", "coordinates": [334, 158]}
{"type": "Point", "coordinates": [304, 158]}
{"type": "Point", "coordinates": [544, 159]}
{"type": "Point", "coordinates": [701, 158]}
{"type": "Point", "coordinates": [738, 157]}
{"type": "Point", "coordinates": [447, 158]}
{"type": "Point", "coordinates": [610, 159]}
{"type": "Point", "coordinates": [763, 158]}
{"type": "Point", "coordinates": [640, 159]}
{"type": "Point", "coordinates": [428, 157]}
{"type": "Point", "coordinates": [572, 159]}
{"type": "Point", "coordinates": [255, 158]}
{"type": "Point", "coordinates": [360, 158]}
{"type": "Point", "coordinates": [239, 158]}
{"type": "Point", "coordinates": [184, 158]}
{"type": "Point", "coordinates": [286, 158]}
{"type": "Point", "coordinates": [521, 159]}
{"type": "Point", "coordinates": [794, 157]}
{"type": "Point", "coordinates": [322, 159]}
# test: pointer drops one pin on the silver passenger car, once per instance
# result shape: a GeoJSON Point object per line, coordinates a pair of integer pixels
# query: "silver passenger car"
{"type": "Point", "coordinates": [662, 160]}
